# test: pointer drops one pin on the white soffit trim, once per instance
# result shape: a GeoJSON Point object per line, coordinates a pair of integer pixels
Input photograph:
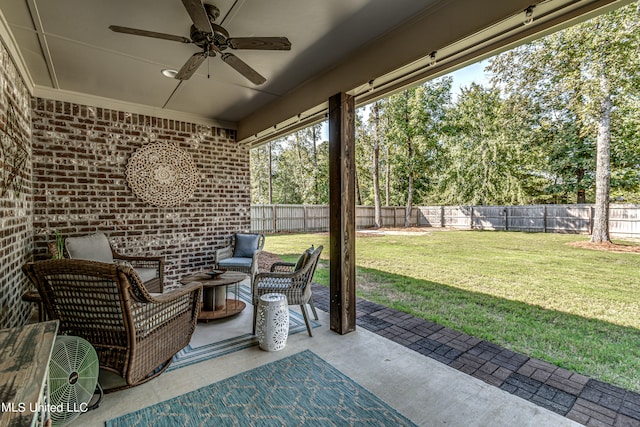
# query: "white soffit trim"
{"type": "Point", "coordinates": [130, 107]}
{"type": "Point", "coordinates": [6, 37]}
{"type": "Point", "coordinates": [549, 16]}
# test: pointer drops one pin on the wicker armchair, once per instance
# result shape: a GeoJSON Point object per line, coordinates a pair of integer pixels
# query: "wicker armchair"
{"type": "Point", "coordinates": [134, 333]}
{"type": "Point", "coordinates": [150, 269]}
{"type": "Point", "coordinates": [292, 280]}
{"type": "Point", "coordinates": [241, 255]}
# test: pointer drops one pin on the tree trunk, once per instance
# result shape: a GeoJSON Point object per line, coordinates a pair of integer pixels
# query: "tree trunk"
{"type": "Point", "coordinates": [316, 193]}
{"type": "Point", "coordinates": [581, 193]}
{"type": "Point", "coordinates": [358, 197]}
{"type": "Point", "coordinates": [387, 180]}
{"type": "Point", "coordinates": [377, 216]}
{"type": "Point", "coordinates": [603, 166]}
{"type": "Point", "coordinates": [270, 177]}
{"type": "Point", "coordinates": [407, 212]}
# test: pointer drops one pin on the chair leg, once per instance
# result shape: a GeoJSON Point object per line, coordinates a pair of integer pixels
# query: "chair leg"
{"type": "Point", "coordinates": [313, 308]}
{"type": "Point", "coordinates": [303, 308]}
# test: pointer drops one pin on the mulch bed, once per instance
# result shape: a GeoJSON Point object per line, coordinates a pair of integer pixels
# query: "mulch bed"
{"type": "Point", "coordinates": [266, 259]}
{"type": "Point", "coordinates": [608, 247]}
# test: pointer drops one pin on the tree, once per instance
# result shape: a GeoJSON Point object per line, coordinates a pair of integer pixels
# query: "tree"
{"type": "Point", "coordinates": [260, 174]}
{"type": "Point", "coordinates": [414, 119]}
{"type": "Point", "coordinates": [484, 150]}
{"type": "Point", "coordinates": [375, 162]}
{"type": "Point", "coordinates": [579, 77]}
{"type": "Point", "coordinates": [369, 138]}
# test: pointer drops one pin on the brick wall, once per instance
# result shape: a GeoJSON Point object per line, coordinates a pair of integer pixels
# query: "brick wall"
{"type": "Point", "coordinates": [16, 232]}
{"type": "Point", "coordinates": [80, 154]}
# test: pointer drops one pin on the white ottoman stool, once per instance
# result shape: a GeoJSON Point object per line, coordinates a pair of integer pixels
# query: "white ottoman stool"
{"type": "Point", "coordinates": [272, 323]}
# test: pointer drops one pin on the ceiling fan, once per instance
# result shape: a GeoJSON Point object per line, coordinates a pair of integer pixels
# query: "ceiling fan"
{"type": "Point", "coordinates": [213, 40]}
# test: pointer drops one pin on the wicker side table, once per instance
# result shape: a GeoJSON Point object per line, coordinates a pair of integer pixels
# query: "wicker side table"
{"type": "Point", "coordinates": [272, 323]}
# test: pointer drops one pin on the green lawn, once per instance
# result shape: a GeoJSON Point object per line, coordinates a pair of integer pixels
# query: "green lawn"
{"type": "Point", "coordinates": [529, 292]}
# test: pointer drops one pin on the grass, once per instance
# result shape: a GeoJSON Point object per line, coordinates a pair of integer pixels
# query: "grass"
{"type": "Point", "coordinates": [528, 292]}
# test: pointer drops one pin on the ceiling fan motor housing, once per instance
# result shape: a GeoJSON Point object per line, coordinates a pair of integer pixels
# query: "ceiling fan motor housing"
{"type": "Point", "coordinates": [203, 39]}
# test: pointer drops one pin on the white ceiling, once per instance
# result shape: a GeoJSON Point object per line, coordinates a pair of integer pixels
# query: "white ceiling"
{"type": "Point", "coordinates": [86, 57]}
{"type": "Point", "coordinates": [67, 51]}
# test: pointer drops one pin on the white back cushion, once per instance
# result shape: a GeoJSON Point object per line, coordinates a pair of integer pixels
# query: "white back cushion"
{"type": "Point", "coordinates": [94, 247]}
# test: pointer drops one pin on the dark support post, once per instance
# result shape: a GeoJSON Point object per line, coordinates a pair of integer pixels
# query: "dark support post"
{"type": "Point", "coordinates": [342, 206]}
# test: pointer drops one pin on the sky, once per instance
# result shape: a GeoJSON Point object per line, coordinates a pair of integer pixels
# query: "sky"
{"type": "Point", "coordinates": [473, 73]}
{"type": "Point", "coordinates": [463, 77]}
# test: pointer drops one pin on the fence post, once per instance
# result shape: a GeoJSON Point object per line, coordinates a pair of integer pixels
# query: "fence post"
{"type": "Point", "coordinates": [506, 219]}
{"type": "Point", "coordinates": [275, 220]}
{"type": "Point", "coordinates": [304, 219]}
{"type": "Point", "coordinates": [591, 209]}
{"type": "Point", "coordinates": [471, 219]}
{"type": "Point", "coordinates": [544, 218]}
{"type": "Point", "coordinates": [441, 216]}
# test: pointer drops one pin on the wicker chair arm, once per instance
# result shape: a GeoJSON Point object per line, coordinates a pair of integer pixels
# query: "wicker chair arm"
{"type": "Point", "coordinates": [223, 253]}
{"type": "Point", "coordinates": [141, 261]}
{"type": "Point", "coordinates": [279, 274]}
{"type": "Point", "coordinates": [261, 240]}
{"type": "Point", "coordinates": [282, 266]}
{"type": "Point", "coordinates": [149, 316]}
{"type": "Point", "coordinates": [155, 259]}
{"type": "Point", "coordinates": [157, 263]}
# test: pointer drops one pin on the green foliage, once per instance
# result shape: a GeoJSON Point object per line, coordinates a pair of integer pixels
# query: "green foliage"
{"type": "Point", "coordinates": [486, 154]}
{"type": "Point", "coordinates": [561, 76]}
{"type": "Point", "coordinates": [59, 245]}
{"type": "Point", "coordinates": [260, 169]}
{"type": "Point", "coordinates": [299, 169]}
{"type": "Point", "coordinates": [413, 126]}
{"type": "Point", "coordinates": [531, 137]}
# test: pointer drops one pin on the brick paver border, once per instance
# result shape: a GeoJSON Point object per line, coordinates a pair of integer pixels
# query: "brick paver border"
{"type": "Point", "coordinates": [577, 397]}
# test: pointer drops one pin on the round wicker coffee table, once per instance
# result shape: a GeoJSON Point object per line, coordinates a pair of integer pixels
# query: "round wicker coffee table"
{"type": "Point", "coordinates": [216, 303]}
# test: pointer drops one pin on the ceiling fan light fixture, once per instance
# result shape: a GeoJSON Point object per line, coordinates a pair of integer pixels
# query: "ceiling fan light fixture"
{"type": "Point", "coordinates": [169, 73]}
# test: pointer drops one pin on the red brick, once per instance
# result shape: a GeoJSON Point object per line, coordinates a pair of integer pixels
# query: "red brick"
{"type": "Point", "coordinates": [90, 162]}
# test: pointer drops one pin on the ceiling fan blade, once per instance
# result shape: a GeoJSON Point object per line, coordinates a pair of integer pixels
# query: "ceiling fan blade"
{"type": "Point", "coordinates": [191, 66]}
{"type": "Point", "coordinates": [145, 33]}
{"type": "Point", "coordinates": [240, 66]}
{"type": "Point", "coordinates": [198, 15]}
{"type": "Point", "coordinates": [260, 43]}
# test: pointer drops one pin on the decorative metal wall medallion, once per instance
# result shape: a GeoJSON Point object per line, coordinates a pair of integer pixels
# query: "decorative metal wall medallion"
{"type": "Point", "coordinates": [162, 174]}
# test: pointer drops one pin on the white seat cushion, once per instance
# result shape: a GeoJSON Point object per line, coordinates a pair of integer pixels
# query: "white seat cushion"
{"type": "Point", "coordinates": [146, 274]}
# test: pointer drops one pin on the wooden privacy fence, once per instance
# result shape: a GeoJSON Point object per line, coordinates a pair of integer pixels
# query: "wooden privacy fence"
{"type": "Point", "coordinates": [624, 220]}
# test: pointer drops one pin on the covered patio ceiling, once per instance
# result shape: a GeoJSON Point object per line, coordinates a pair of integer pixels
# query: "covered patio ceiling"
{"type": "Point", "coordinates": [367, 48]}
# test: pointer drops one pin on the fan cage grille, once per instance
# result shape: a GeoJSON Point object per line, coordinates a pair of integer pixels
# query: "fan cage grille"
{"type": "Point", "coordinates": [68, 399]}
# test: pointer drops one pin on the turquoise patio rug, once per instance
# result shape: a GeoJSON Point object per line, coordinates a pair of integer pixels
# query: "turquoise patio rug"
{"type": "Point", "coordinates": [299, 390]}
{"type": "Point", "coordinates": [224, 336]}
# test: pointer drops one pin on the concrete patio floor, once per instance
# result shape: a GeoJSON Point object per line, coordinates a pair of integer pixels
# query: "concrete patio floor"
{"type": "Point", "coordinates": [423, 389]}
